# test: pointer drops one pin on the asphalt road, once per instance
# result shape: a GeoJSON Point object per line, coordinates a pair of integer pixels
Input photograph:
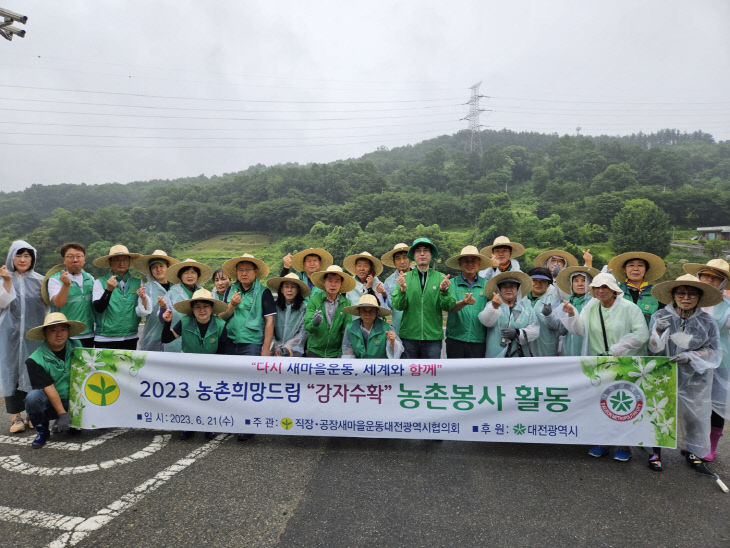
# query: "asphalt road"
{"type": "Point", "coordinates": [141, 488]}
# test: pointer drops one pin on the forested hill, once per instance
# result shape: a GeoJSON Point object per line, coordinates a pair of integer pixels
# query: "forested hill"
{"type": "Point", "coordinates": [542, 190]}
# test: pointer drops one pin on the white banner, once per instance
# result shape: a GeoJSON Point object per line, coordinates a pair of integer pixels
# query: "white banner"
{"type": "Point", "coordinates": [595, 400]}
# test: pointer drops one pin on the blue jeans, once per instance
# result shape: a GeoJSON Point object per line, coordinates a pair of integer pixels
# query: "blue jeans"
{"type": "Point", "coordinates": [39, 409]}
{"type": "Point", "coordinates": [427, 350]}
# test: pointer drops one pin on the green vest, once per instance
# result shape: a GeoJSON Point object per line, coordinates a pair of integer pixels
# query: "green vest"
{"type": "Point", "coordinates": [78, 305]}
{"type": "Point", "coordinates": [646, 301]}
{"type": "Point", "coordinates": [324, 339]}
{"type": "Point", "coordinates": [119, 319]}
{"type": "Point", "coordinates": [57, 369]}
{"type": "Point", "coordinates": [246, 326]}
{"type": "Point", "coordinates": [376, 341]}
{"type": "Point", "coordinates": [193, 343]}
{"type": "Point", "coordinates": [177, 293]}
{"type": "Point", "coordinates": [314, 289]}
{"type": "Point", "coordinates": [464, 325]}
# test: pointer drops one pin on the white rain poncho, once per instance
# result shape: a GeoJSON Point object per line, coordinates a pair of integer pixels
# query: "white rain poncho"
{"type": "Point", "coordinates": [152, 325]}
{"type": "Point", "coordinates": [521, 316]}
{"type": "Point", "coordinates": [289, 328]}
{"type": "Point", "coordinates": [20, 309]}
{"type": "Point", "coordinates": [390, 285]}
{"type": "Point", "coordinates": [491, 272]}
{"type": "Point", "coordinates": [721, 376]}
{"type": "Point", "coordinates": [177, 293]}
{"type": "Point", "coordinates": [546, 344]}
{"type": "Point", "coordinates": [626, 331]}
{"type": "Point", "coordinates": [696, 340]}
{"type": "Point", "coordinates": [361, 289]}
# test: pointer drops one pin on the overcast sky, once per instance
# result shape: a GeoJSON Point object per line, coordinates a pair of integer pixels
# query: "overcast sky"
{"type": "Point", "coordinates": [133, 90]}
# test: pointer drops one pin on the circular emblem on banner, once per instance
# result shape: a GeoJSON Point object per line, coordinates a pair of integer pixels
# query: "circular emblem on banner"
{"type": "Point", "coordinates": [286, 423]}
{"type": "Point", "coordinates": [101, 389]}
{"type": "Point", "coordinates": [622, 401]}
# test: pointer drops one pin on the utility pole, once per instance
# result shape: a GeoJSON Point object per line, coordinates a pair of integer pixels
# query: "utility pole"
{"type": "Point", "coordinates": [475, 140]}
{"type": "Point", "coordinates": [7, 18]}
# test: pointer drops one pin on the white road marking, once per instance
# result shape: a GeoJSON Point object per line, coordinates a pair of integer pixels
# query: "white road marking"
{"type": "Point", "coordinates": [65, 446]}
{"type": "Point", "coordinates": [14, 463]}
{"type": "Point", "coordinates": [37, 518]}
{"type": "Point", "coordinates": [126, 501]}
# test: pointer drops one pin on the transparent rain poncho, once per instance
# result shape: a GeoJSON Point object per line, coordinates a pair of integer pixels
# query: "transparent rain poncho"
{"type": "Point", "coordinates": [20, 309]}
{"type": "Point", "coordinates": [546, 344]}
{"type": "Point", "coordinates": [521, 316]}
{"type": "Point", "coordinates": [152, 326]}
{"type": "Point", "coordinates": [491, 272]}
{"type": "Point", "coordinates": [695, 344]}
{"type": "Point", "coordinates": [721, 376]}
{"type": "Point", "coordinates": [178, 292]}
{"type": "Point", "coordinates": [571, 344]}
{"type": "Point", "coordinates": [289, 328]}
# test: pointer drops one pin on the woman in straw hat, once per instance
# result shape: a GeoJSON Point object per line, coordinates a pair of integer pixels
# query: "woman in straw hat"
{"type": "Point", "coordinates": [251, 308]}
{"type": "Point", "coordinates": [21, 305]}
{"type": "Point", "coordinates": [199, 330]}
{"type": "Point", "coordinates": [119, 300]}
{"type": "Point", "coordinates": [610, 326]}
{"type": "Point", "coordinates": [574, 281]}
{"type": "Point", "coordinates": [503, 253]}
{"type": "Point", "coordinates": [636, 270]}
{"type": "Point", "coordinates": [369, 335]}
{"type": "Point", "coordinates": [557, 260]}
{"type": "Point", "coordinates": [511, 323]}
{"type": "Point", "coordinates": [325, 319]}
{"type": "Point", "coordinates": [545, 305]}
{"type": "Point", "coordinates": [396, 258]}
{"type": "Point", "coordinates": [290, 337]}
{"type": "Point", "coordinates": [221, 283]}
{"type": "Point", "coordinates": [465, 335]}
{"type": "Point", "coordinates": [48, 369]}
{"type": "Point", "coordinates": [365, 270]}
{"type": "Point", "coordinates": [154, 266]}
{"type": "Point", "coordinates": [306, 263]}
{"type": "Point", "coordinates": [689, 335]}
{"type": "Point", "coordinates": [186, 278]}
{"type": "Point", "coordinates": [716, 273]}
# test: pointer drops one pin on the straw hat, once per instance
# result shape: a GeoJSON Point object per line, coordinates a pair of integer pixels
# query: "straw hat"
{"type": "Point", "coordinates": [367, 301]}
{"type": "Point", "coordinates": [543, 258]}
{"type": "Point", "coordinates": [115, 251]}
{"type": "Point", "coordinates": [663, 291]}
{"type": "Point", "coordinates": [143, 263]}
{"type": "Point", "coordinates": [423, 241]}
{"type": "Point", "coordinates": [654, 272]}
{"type": "Point", "coordinates": [605, 278]}
{"type": "Point", "coordinates": [172, 274]}
{"type": "Point", "coordinates": [44, 286]}
{"type": "Point", "coordinates": [55, 318]}
{"type": "Point", "coordinates": [348, 282]}
{"type": "Point", "coordinates": [503, 241]}
{"type": "Point", "coordinates": [524, 280]}
{"type": "Point", "coordinates": [297, 260]}
{"type": "Point", "coordinates": [229, 267]}
{"type": "Point", "coordinates": [468, 251]}
{"type": "Point", "coordinates": [563, 279]}
{"type": "Point", "coordinates": [275, 283]}
{"type": "Point", "coordinates": [719, 267]}
{"type": "Point", "coordinates": [351, 260]}
{"type": "Point", "coordinates": [387, 258]}
{"type": "Point", "coordinates": [186, 306]}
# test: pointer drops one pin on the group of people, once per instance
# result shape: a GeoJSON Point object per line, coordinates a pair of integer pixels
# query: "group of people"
{"type": "Point", "coordinates": [493, 309]}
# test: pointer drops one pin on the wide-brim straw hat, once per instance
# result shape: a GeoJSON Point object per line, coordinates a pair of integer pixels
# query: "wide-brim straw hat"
{"type": "Point", "coordinates": [172, 274]}
{"type": "Point", "coordinates": [367, 301]}
{"type": "Point", "coordinates": [348, 282]}
{"type": "Point", "coordinates": [563, 278]}
{"type": "Point", "coordinates": [503, 241]}
{"type": "Point", "coordinates": [468, 251]}
{"type": "Point", "coordinates": [654, 272]}
{"type": "Point", "coordinates": [663, 291]}
{"type": "Point", "coordinates": [297, 260]}
{"type": "Point", "coordinates": [351, 260]}
{"type": "Point", "coordinates": [607, 279]}
{"type": "Point", "coordinates": [275, 284]}
{"type": "Point", "coordinates": [543, 258]}
{"type": "Point", "coordinates": [55, 318]}
{"type": "Point", "coordinates": [44, 286]}
{"type": "Point", "coordinates": [229, 267]}
{"type": "Point", "coordinates": [115, 251]}
{"type": "Point", "coordinates": [143, 263]}
{"type": "Point", "coordinates": [714, 266]}
{"type": "Point", "coordinates": [522, 278]}
{"type": "Point", "coordinates": [387, 258]}
{"type": "Point", "coordinates": [186, 306]}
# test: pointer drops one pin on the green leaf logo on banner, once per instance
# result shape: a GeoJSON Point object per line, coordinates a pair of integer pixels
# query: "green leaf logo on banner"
{"type": "Point", "coordinates": [101, 389]}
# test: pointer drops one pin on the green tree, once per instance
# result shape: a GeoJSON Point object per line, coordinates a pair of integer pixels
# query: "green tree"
{"type": "Point", "coordinates": [640, 225]}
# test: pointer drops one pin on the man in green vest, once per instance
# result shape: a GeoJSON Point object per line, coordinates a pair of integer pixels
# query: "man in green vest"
{"type": "Point", "coordinates": [119, 301]}
{"type": "Point", "coordinates": [251, 308]}
{"type": "Point", "coordinates": [49, 371]}
{"type": "Point", "coordinates": [69, 290]}
{"type": "Point", "coordinates": [423, 295]}
{"type": "Point", "coordinates": [325, 319]}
